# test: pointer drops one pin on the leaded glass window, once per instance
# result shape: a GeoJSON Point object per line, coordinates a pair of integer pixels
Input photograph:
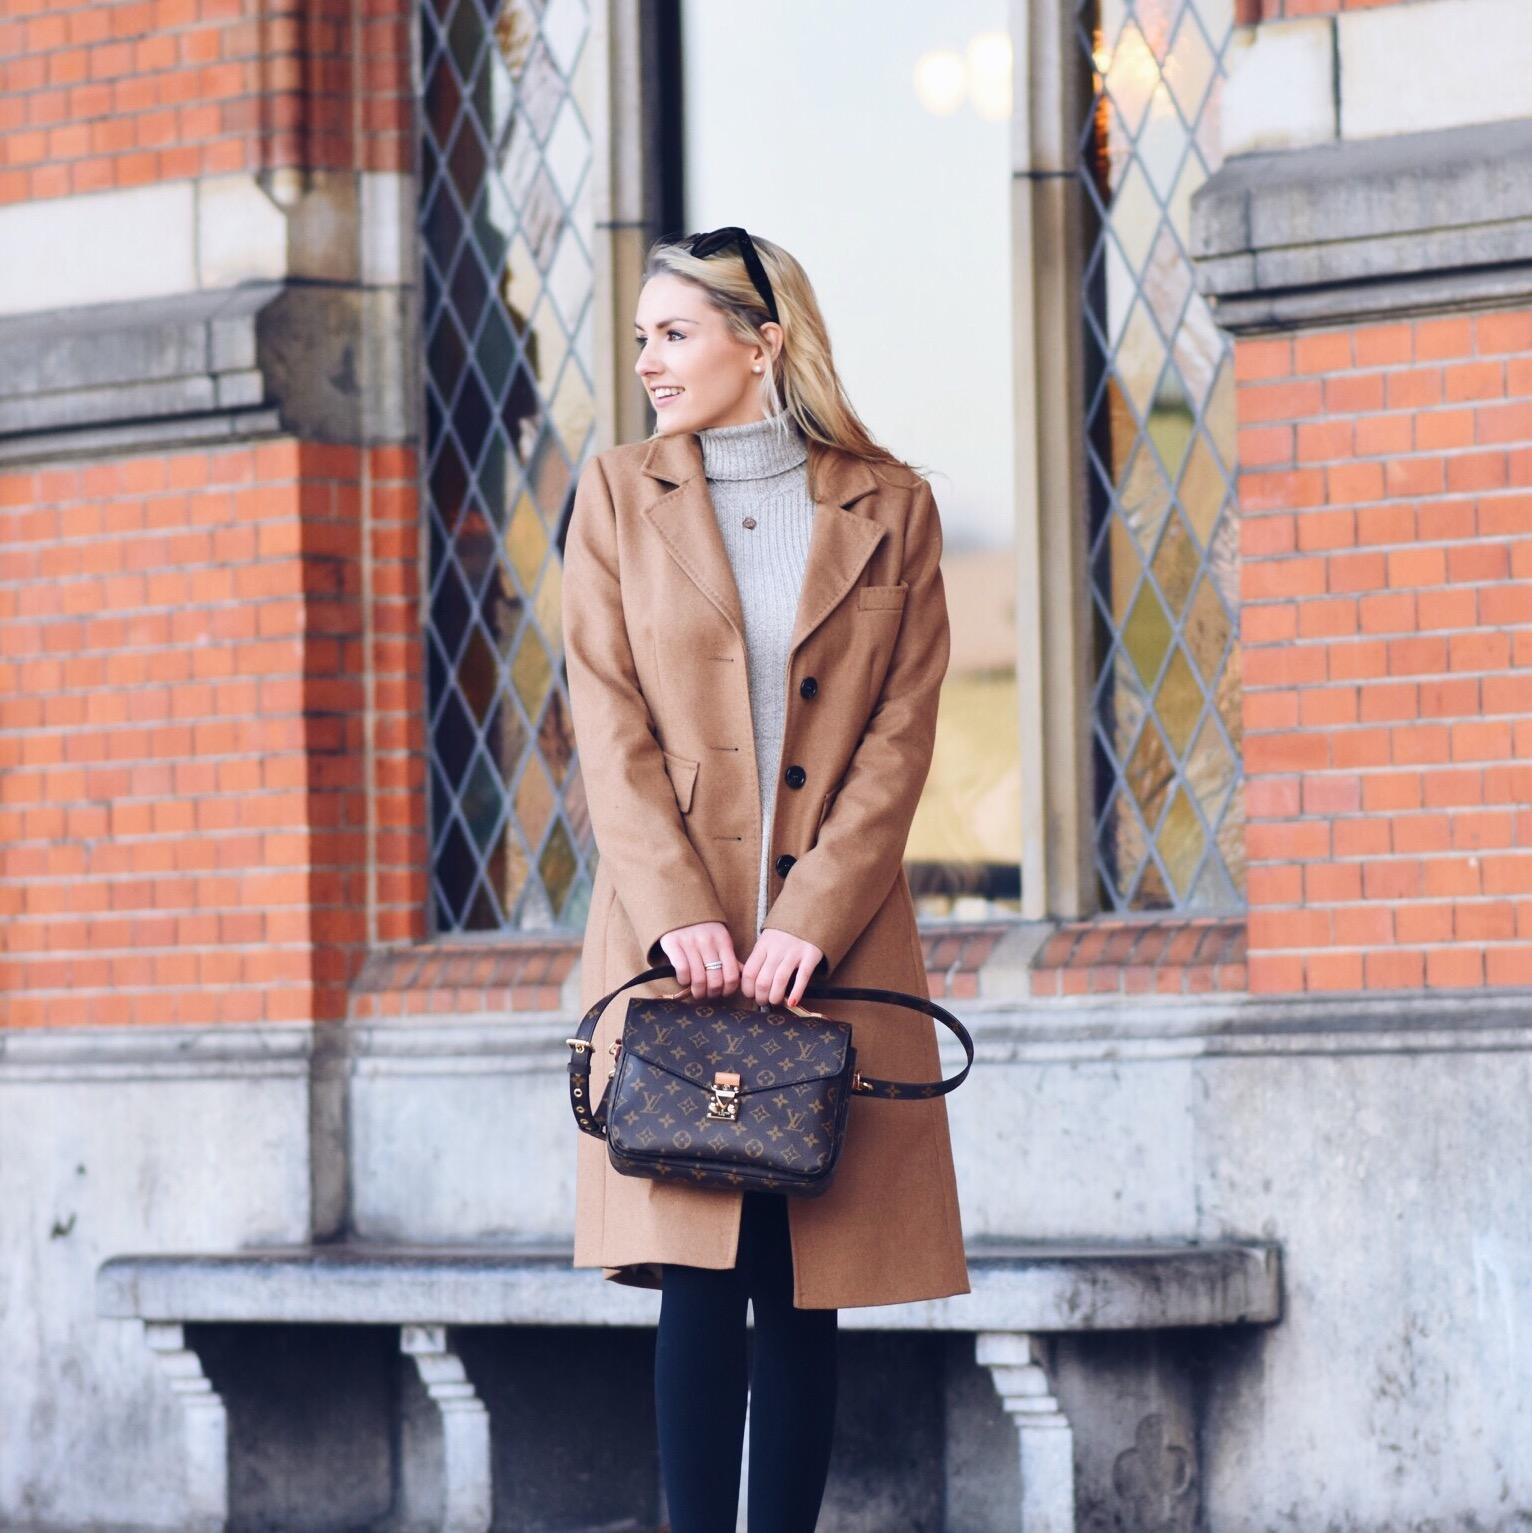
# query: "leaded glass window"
{"type": "Point", "coordinates": [507, 294]}
{"type": "Point", "coordinates": [1160, 437]}
{"type": "Point", "coordinates": [934, 81]}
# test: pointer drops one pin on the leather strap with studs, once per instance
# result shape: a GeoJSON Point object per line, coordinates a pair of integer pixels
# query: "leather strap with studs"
{"type": "Point", "coordinates": [592, 1117]}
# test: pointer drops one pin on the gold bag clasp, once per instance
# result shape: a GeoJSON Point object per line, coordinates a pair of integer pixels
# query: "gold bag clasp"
{"type": "Point", "coordinates": [723, 1097]}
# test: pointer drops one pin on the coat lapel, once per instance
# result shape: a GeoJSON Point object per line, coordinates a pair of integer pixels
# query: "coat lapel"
{"type": "Point", "coordinates": [840, 541]}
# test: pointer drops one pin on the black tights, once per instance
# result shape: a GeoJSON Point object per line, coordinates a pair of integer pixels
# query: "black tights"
{"type": "Point", "coordinates": [699, 1385]}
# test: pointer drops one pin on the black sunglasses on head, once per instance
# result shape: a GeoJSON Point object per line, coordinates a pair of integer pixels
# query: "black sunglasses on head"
{"type": "Point", "coordinates": [714, 240]}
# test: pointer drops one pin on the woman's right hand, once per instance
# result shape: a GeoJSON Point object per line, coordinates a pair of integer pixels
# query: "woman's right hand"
{"type": "Point", "coordinates": [689, 948]}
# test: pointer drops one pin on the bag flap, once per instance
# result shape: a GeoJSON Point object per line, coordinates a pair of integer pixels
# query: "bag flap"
{"type": "Point", "coordinates": [691, 1040]}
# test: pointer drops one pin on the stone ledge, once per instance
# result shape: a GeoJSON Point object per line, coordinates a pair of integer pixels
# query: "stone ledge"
{"type": "Point", "coordinates": [235, 364]}
{"type": "Point", "coordinates": [1426, 221]}
{"type": "Point", "coordinates": [1027, 1286]}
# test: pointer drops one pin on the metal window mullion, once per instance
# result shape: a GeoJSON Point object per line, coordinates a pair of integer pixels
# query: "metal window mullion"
{"type": "Point", "coordinates": [1053, 605]}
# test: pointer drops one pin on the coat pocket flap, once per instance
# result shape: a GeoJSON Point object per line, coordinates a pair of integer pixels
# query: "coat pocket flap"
{"type": "Point", "coordinates": [683, 778]}
{"type": "Point", "coordinates": [890, 597]}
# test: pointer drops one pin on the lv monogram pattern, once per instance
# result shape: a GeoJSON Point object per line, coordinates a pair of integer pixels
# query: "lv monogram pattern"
{"type": "Point", "coordinates": [794, 1084]}
{"type": "Point", "coordinates": [766, 1048]}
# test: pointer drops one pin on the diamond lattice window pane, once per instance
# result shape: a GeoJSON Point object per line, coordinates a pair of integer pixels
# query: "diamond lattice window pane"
{"type": "Point", "coordinates": [508, 279]}
{"type": "Point", "coordinates": [1160, 454]}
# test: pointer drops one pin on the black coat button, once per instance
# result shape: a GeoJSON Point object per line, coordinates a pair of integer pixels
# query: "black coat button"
{"type": "Point", "coordinates": [808, 687]}
{"type": "Point", "coordinates": [796, 777]}
{"type": "Point", "coordinates": [784, 862]}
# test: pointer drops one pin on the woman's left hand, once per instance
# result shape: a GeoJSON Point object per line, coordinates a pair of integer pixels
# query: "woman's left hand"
{"type": "Point", "coordinates": [779, 961]}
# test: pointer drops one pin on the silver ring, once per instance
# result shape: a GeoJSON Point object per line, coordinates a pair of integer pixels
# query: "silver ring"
{"type": "Point", "coordinates": [716, 964]}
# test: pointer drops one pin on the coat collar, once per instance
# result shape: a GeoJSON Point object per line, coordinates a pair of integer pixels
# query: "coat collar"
{"type": "Point", "coordinates": [840, 542]}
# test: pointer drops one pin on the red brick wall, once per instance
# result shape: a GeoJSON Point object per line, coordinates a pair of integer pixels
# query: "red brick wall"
{"type": "Point", "coordinates": [1248, 11]}
{"type": "Point", "coordinates": [98, 96]}
{"type": "Point", "coordinates": [1386, 504]}
{"type": "Point", "coordinates": [192, 828]}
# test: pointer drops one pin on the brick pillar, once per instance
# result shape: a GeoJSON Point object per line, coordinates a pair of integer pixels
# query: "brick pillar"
{"type": "Point", "coordinates": [101, 97]}
{"type": "Point", "coordinates": [211, 733]}
{"type": "Point", "coordinates": [1384, 366]}
{"type": "Point", "coordinates": [1386, 542]}
{"type": "Point", "coordinates": [212, 795]}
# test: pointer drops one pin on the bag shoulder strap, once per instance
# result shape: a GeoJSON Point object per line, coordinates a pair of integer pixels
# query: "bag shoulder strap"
{"type": "Point", "coordinates": [866, 1085]}
{"type": "Point", "coordinates": [591, 1119]}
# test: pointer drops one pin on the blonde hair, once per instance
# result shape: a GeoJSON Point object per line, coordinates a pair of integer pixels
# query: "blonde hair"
{"type": "Point", "coordinates": [800, 384]}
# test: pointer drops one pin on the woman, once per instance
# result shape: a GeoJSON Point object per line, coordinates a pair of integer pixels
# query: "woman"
{"type": "Point", "coordinates": [756, 633]}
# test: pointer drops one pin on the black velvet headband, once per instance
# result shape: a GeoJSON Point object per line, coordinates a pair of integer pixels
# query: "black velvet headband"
{"type": "Point", "coordinates": [710, 243]}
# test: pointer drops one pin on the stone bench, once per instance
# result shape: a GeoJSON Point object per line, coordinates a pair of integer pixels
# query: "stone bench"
{"type": "Point", "coordinates": [1022, 1295]}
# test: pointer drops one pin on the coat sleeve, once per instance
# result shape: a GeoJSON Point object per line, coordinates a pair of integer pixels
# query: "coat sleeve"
{"type": "Point", "coordinates": [838, 885]}
{"type": "Point", "coordinates": [640, 838]}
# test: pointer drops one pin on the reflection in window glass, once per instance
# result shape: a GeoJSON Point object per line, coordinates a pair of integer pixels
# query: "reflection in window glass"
{"type": "Point", "coordinates": [506, 231]}
{"type": "Point", "coordinates": [1160, 453]}
{"type": "Point", "coordinates": [890, 183]}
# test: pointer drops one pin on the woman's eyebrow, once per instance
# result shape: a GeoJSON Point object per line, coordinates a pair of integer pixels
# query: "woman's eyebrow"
{"type": "Point", "coordinates": [675, 319]}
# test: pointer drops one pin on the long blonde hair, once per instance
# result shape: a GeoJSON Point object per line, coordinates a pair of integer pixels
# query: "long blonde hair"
{"type": "Point", "coordinates": [800, 385]}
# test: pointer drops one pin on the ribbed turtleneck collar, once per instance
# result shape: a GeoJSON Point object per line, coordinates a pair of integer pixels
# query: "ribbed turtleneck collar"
{"type": "Point", "coordinates": [755, 450]}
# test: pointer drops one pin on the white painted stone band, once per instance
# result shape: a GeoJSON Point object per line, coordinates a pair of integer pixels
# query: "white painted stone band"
{"type": "Point", "coordinates": [1378, 73]}
{"type": "Point", "coordinates": [187, 236]}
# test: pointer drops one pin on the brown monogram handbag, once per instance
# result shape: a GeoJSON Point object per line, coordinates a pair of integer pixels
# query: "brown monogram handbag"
{"type": "Point", "coordinates": [715, 1095]}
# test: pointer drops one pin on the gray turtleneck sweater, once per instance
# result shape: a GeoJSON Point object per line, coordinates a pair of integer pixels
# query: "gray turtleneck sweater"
{"type": "Point", "coordinates": [758, 478]}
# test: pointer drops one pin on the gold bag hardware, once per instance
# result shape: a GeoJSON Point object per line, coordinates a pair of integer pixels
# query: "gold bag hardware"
{"type": "Point", "coordinates": [723, 1097]}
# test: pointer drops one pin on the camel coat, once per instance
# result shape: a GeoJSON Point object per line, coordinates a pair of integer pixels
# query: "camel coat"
{"type": "Point", "coordinates": [655, 649]}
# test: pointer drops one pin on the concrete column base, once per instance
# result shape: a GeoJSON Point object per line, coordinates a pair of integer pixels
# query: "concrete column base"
{"type": "Point", "coordinates": [444, 1466]}
{"type": "Point", "coordinates": [1045, 1441]}
{"type": "Point", "coordinates": [207, 1427]}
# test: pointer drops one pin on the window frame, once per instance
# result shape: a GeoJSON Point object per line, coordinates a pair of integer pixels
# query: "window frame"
{"type": "Point", "coordinates": [1053, 635]}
